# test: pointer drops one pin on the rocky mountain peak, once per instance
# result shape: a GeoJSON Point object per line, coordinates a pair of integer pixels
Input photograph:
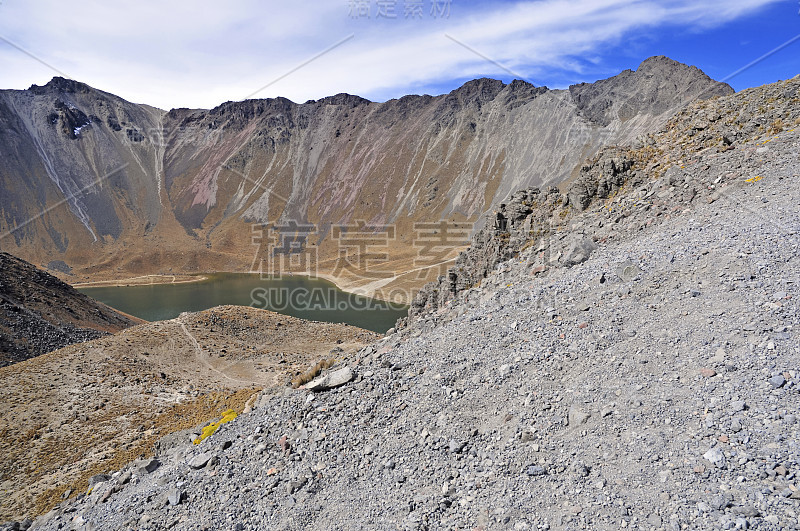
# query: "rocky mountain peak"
{"type": "Point", "coordinates": [521, 86]}
{"type": "Point", "coordinates": [519, 92]}
{"type": "Point", "coordinates": [660, 61]}
{"type": "Point", "coordinates": [61, 85]}
{"type": "Point", "coordinates": [667, 68]}
{"type": "Point", "coordinates": [482, 89]}
{"type": "Point", "coordinates": [249, 109]}
{"type": "Point", "coordinates": [349, 100]}
{"type": "Point", "coordinates": [658, 86]}
{"type": "Point", "coordinates": [196, 178]}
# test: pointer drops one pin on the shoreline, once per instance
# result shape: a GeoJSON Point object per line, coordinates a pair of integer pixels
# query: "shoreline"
{"type": "Point", "coordinates": [135, 281]}
{"type": "Point", "coordinates": [153, 280]}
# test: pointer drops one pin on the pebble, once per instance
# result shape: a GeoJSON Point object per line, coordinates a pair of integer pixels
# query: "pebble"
{"type": "Point", "coordinates": [777, 381]}
{"type": "Point", "coordinates": [174, 496]}
{"type": "Point", "coordinates": [455, 446]}
{"type": "Point", "coordinates": [536, 470]}
{"type": "Point", "coordinates": [715, 457]}
{"type": "Point", "coordinates": [738, 405]}
{"type": "Point", "coordinates": [148, 466]}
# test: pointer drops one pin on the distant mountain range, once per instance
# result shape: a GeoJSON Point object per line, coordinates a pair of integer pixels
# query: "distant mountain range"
{"type": "Point", "coordinates": [95, 187]}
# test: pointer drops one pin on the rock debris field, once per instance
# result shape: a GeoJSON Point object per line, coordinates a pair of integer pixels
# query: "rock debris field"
{"type": "Point", "coordinates": [654, 385]}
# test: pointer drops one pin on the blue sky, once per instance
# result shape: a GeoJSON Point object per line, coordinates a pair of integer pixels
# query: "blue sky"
{"type": "Point", "coordinates": [200, 53]}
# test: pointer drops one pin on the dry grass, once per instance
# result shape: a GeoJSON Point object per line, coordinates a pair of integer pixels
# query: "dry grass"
{"type": "Point", "coordinates": [312, 373]}
{"type": "Point", "coordinates": [776, 127]}
{"type": "Point", "coordinates": [92, 408]}
{"type": "Point", "coordinates": [62, 452]}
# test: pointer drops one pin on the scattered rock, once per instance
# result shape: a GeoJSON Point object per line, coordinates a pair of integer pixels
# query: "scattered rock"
{"type": "Point", "coordinates": [777, 381]}
{"type": "Point", "coordinates": [715, 457]}
{"type": "Point", "coordinates": [200, 460]}
{"type": "Point", "coordinates": [330, 380]}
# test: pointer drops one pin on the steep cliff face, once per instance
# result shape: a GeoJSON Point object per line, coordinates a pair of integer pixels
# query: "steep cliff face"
{"type": "Point", "coordinates": [114, 188]}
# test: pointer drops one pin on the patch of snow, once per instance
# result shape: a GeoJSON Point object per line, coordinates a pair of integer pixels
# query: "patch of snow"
{"type": "Point", "coordinates": [77, 130]}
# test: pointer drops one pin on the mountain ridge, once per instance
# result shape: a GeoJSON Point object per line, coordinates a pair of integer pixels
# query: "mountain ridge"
{"type": "Point", "coordinates": [114, 188]}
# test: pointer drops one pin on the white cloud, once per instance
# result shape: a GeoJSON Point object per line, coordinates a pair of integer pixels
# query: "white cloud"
{"type": "Point", "coordinates": [201, 53]}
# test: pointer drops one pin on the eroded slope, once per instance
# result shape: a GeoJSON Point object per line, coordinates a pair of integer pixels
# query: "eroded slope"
{"type": "Point", "coordinates": [40, 313]}
{"type": "Point", "coordinates": [116, 189]}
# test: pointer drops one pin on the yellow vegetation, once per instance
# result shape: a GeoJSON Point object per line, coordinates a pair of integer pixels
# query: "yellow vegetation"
{"type": "Point", "coordinates": [64, 450]}
{"type": "Point", "coordinates": [209, 430]}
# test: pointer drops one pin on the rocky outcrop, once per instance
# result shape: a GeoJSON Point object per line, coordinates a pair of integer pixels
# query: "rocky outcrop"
{"type": "Point", "coordinates": [525, 217]}
{"type": "Point", "coordinates": [529, 219]}
{"type": "Point", "coordinates": [659, 85]}
{"type": "Point", "coordinates": [600, 178]}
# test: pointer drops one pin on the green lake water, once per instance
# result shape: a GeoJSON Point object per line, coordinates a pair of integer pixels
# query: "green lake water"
{"type": "Point", "coordinates": [298, 296]}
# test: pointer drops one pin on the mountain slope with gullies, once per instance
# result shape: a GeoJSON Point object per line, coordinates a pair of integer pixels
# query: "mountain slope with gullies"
{"type": "Point", "coordinates": [545, 220]}
{"type": "Point", "coordinates": [40, 313]}
{"type": "Point", "coordinates": [636, 368]}
{"type": "Point", "coordinates": [115, 189]}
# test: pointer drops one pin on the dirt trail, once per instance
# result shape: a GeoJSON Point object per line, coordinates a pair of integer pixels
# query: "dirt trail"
{"type": "Point", "coordinates": [203, 358]}
{"type": "Point", "coordinates": [91, 407]}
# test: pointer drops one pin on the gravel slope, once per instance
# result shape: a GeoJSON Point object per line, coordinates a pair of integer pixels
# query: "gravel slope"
{"type": "Point", "coordinates": [39, 313]}
{"type": "Point", "coordinates": [652, 386]}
